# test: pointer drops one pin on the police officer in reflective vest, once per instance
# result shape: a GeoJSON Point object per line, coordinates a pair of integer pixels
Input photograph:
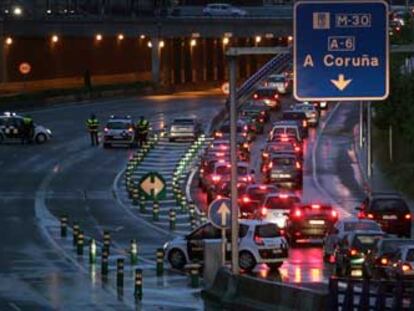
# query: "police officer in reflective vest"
{"type": "Point", "coordinates": [93, 126]}
{"type": "Point", "coordinates": [27, 130]}
{"type": "Point", "coordinates": [142, 129]}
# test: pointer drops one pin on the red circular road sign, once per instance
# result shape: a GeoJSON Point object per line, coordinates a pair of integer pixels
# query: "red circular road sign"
{"type": "Point", "coordinates": [25, 68]}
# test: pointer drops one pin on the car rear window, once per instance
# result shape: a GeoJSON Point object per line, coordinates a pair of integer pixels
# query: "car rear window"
{"type": "Point", "coordinates": [364, 242]}
{"type": "Point", "coordinates": [118, 125]}
{"type": "Point", "coordinates": [225, 170]}
{"type": "Point", "coordinates": [351, 226]}
{"type": "Point", "coordinates": [389, 205]}
{"type": "Point", "coordinates": [281, 203]}
{"type": "Point", "coordinates": [283, 161]}
{"type": "Point", "coordinates": [265, 93]}
{"type": "Point", "coordinates": [257, 193]}
{"type": "Point", "coordinates": [294, 115]}
{"type": "Point", "coordinates": [267, 231]}
{"type": "Point", "coordinates": [390, 246]}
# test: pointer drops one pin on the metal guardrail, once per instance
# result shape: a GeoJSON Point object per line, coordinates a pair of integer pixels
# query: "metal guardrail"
{"type": "Point", "coordinates": [358, 294]}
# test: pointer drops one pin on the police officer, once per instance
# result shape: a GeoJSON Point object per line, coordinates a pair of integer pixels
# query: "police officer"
{"type": "Point", "coordinates": [28, 129]}
{"type": "Point", "coordinates": [93, 126]}
{"type": "Point", "coordinates": [142, 129]}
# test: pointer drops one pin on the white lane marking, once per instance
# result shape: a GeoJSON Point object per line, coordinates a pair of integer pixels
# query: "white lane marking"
{"type": "Point", "coordinates": [314, 149]}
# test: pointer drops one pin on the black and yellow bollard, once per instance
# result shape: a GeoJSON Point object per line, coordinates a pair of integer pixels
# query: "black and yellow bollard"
{"type": "Point", "coordinates": [104, 262]}
{"type": "Point", "coordinates": [203, 217]}
{"type": "Point", "coordinates": [92, 252]}
{"type": "Point", "coordinates": [178, 197]}
{"type": "Point", "coordinates": [80, 243]}
{"type": "Point", "coordinates": [135, 195]}
{"type": "Point", "coordinates": [138, 284]}
{"type": "Point", "coordinates": [64, 226]}
{"type": "Point", "coordinates": [195, 275]}
{"type": "Point", "coordinates": [183, 204]}
{"type": "Point", "coordinates": [120, 272]}
{"type": "Point", "coordinates": [133, 252]}
{"type": "Point", "coordinates": [173, 218]}
{"type": "Point", "coordinates": [142, 204]}
{"type": "Point", "coordinates": [107, 241]}
{"type": "Point", "coordinates": [160, 261]}
{"type": "Point", "coordinates": [193, 223]}
{"type": "Point", "coordinates": [156, 211]}
{"type": "Point", "coordinates": [75, 231]}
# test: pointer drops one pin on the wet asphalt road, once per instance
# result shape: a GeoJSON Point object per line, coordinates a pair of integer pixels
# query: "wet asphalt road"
{"type": "Point", "coordinates": [67, 176]}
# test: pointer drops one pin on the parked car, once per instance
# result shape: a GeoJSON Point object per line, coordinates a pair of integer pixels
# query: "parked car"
{"type": "Point", "coordinates": [260, 242]}
{"type": "Point", "coordinates": [223, 9]}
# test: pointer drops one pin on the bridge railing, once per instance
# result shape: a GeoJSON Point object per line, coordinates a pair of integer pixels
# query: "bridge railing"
{"type": "Point", "coordinates": [365, 294]}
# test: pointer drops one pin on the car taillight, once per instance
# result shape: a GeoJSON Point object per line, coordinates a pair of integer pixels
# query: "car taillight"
{"type": "Point", "coordinates": [384, 261]}
{"type": "Point", "coordinates": [361, 215]}
{"type": "Point", "coordinates": [202, 170]}
{"type": "Point", "coordinates": [255, 96]}
{"type": "Point", "coordinates": [305, 123]}
{"type": "Point", "coordinates": [286, 84]}
{"type": "Point", "coordinates": [130, 130]}
{"type": "Point", "coordinates": [219, 134]}
{"type": "Point", "coordinates": [283, 196]}
{"type": "Point", "coordinates": [406, 267]}
{"type": "Point", "coordinates": [265, 155]}
{"type": "Point", "coordinates": [106, 130]}
{"type": "Point", "coordinates": [370, 216]}
{"type": "Point", "coordinates": [297, 213]}
{"type": "Point", "coordinates": [258, 240]}
{"type": "Point", "coordinates": [262, 113]}
{"type": "Point", "coordinates": [245, 199]}
{"type": "Point", "coordinates": [315, 206]}
{"type": "Point", "coordinates": [297, 149]}
{"type": "Point", "coordinates": [261, 120]}
{"type": "Point", "coordinates": [334, 214]}
{"type": "Point", "coordinates": [353, 252]}
{"type": "Point", "coordinates": [263, 211]}
{"type": "Point", "coordinates": [244, 134]}
{"type": "Point", "coordinates": [298, 166]}
{"type": "Point", "coordinates": [246, 145]}
{"type": "Point", "coordinates": [216, 178]}
{"type": "Point", "coordinates": [276, 96]}
{"type": "Point", "coordinates": [407, 216]}
{"type": "Point", "coordinates": [270, 165]}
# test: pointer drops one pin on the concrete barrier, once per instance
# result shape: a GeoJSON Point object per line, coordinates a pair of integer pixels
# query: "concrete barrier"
{"type": "Point", "coordinates": [249, 293]}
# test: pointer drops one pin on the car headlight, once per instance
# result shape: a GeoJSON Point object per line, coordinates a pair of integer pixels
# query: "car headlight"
{"type": "Point", "coordinates": [165, 246]}
{"type": "Point", "coordinates": [49, 132]}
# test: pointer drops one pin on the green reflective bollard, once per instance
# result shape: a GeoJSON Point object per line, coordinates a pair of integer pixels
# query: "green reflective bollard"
{"type": "Point", "coordinates": [92, 252]}
{"type": "Point", "coordinates": [133, 251]}
{"type": "Point", "coordinates": [138, 284]}
{"type": "Point", "coordinates": [193, 223]}
{"type": "Point", "coordinates": [160, 261]}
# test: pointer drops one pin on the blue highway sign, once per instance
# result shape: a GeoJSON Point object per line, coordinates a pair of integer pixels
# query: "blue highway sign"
{"type": "Point", "coordinates": [219, 213]}
{"type": "Point", "coordinates": [341, 50]}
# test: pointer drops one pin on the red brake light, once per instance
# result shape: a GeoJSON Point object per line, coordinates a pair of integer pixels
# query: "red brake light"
{"type": "Point", "coordinates": [216, 178]}
{"type": "Point", "coordinates": [265, 155]}
{"type": "Point", "coordinates": [297, 213]}
{"type": "Point", "coordinates": [298, 166]}
{"type": "Point", "coordinates": [258, 240]}
{"type": "Point", "coordinates": [263, 211]}
{"type": "Point", "coordinates": [353, 252]}
{"type": "Point", "coordinates": [284, 139]}
{"type": "Point", "coordinates": [245, 199]}
{"type": "Point", "coordinates": [276, 96]}
{"type": "Point", "coordinates": [315, 206]}
{"type": "Point", "coordinates": [202, 170]}
{"type": "Point", "coordinates": [406, 267]}
{"type": "Point", "coordinates": [262, 187]}
{"type": "Point", "coordinates": [244, 134]}
{"type": "Point", "coordinates": [219, 134]}
{"type": "Point", "coordinates": [384, 261]}
{"type": "Point", "coordinates": [334, 214]}
{"type": "Point", "coordinates": [297, 149]}
{"type": "Point", "coordinates": [219, 197]}
{"type": "Point", "coordinates": [407, 216]}
{"type": "Point", "coordinates": [283, 196]}
{"type": "Point", "coordinates": [255, 96]}
{"type": "Point", "coordinates": [305, 123]}
{"type": "Point", "coordinates": [270, 165]}
{"type": "Point", "coordinates": [130, 130]}
{"type": "Point", "coordinates": [370, 216]}
{"type": "Point", "coordinates": [286, 84]}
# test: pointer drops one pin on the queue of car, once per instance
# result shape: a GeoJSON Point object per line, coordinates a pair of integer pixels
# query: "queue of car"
{"type": "Point", "coordinates": [374, 243]}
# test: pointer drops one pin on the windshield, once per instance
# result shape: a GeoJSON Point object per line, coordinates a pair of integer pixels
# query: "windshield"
{"type": "Point", "coordinates": [283, 161]}
{"type": "Point", "coordinates": [118, 125]}
{"type": "Point", "coordinates": [365, 242]}
{"type": "Point", "coordinates": [389, 205]}
{"type": "Point", "coordinates": [267, 231]}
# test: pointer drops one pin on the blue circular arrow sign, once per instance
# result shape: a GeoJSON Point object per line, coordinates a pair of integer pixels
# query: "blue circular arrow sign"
{"type": "Point", "coordinates": [219, 213]}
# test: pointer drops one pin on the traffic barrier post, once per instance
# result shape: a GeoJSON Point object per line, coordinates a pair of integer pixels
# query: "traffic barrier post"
{"type": "Point", "coordinates": [135, 195]}
{"type": "Point", "coordinates": [92, 251]}
{"type": "Point", "coordinates": [75, 231]}
{"type": "Point", "coordinates": [104, 262]}
{"type": "Point", "coordinates": [160, 261]}
{"type": "Point", "coordinates": [107, 241]}
{"type": "Point", "coordinates": [120, 272]}
{"type": "Point", "coordinates": [63, 226]}
{"type": "Point", "coordinates": [80, 243]}
{"type": "Point", "coordinates": [142, 204]}
{"type": "Point", "coordinates": [133, 251]}
{"type": "Point", "coordinates": [156, 211]}
{"type": "Point", "coordinates": [173, 218]}
{"type": "Point", "coordinates": [138, 284]}
{"type": "Point", "coordinates": [195, 275]}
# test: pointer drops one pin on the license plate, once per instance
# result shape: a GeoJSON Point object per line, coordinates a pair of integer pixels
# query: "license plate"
{"type": "Point", "coordinates": [356, 273]}
{"type": "Point", "coordinates": [277, 251]}
{"type": "Point", "coordinates": [389, 217]}
{"type": "Point", "coordinates": [317, 222]}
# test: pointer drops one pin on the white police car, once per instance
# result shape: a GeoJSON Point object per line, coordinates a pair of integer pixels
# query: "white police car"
{"type": "Point", "coordinates": [12, 129]}
{"type": "Point", "coordinates": [119, 131]}
{"type": "Point", "coordinates": [260, 242]}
